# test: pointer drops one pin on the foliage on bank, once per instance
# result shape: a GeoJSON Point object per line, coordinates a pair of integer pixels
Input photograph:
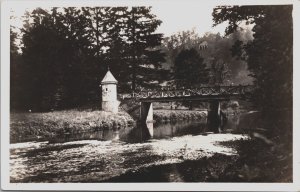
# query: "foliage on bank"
{"type": "Point", "coordinates": [269, 55]}
{"type": "Point", "coordinates": [177, 115]}
{"type": "Point", "coordinates": [36, 125]}
{"type": "Point", "coordinates": [270, 61]}
{"type": "Point", "coordinates": [66, 51]}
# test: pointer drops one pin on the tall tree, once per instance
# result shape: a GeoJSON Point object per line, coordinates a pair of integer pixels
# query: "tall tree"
{"type": "Point", "coordinates": [43, 61]}
{"type": "Point", "coordinates": [269, 55]}
{"type": "Point", "coordinates": [54, 56]}
{"type": "Point", "coordinates": [190, 70]}
{"type": "Point", "coordinates": [80, 68]}
{"type": "Point", "coordinates": [96, 27]}
{"type": "Point", "coordinates": [116, 40]}
{"type": "Point", "coordinates": [66, 52]}
{"type": "Point", "coordinates": [16, 67]}
{"type": "Point", "coordinates": [270, 59]}
{"type": "Point", "coordinates": [142, 40]}
{"type": "Point", "coordinates": [127, 42]}
{"type": "Point", "coordinates": [219, 72]}
{"type": "Point", "coordinates": [175, 43]}
{"type": "Point", "coordinates": [37, 67]}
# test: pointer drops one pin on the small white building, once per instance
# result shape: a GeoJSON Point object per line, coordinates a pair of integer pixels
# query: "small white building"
{"type": "Point", "coordinates": [109, 93]}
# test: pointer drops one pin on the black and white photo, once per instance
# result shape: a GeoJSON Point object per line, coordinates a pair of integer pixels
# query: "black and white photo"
{"type": "Point", "coordinates": [151, 92]}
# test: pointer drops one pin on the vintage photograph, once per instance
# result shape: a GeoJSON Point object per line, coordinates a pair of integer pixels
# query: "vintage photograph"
{"type": "Point", "coordinates": [151, 94]}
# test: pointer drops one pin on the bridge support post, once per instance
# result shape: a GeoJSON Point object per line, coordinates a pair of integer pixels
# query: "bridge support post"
{"type": "Point", "coordinates": [214, 116]}
{"type": "Point", "coordinates": [146, 112]}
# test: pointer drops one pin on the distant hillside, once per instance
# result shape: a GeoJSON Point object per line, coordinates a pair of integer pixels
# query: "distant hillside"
{"type": "Point", "coordinates": [210, 47]}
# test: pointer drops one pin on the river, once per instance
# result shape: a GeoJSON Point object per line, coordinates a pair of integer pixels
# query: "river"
{"type": "Point", "coordinates": [106, 155]}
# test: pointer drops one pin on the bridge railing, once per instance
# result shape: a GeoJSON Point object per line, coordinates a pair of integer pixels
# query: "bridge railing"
{"type": "Point", "coordinates": [202, 91]}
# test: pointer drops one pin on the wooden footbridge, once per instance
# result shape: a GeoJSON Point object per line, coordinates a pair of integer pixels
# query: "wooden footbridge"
{"type": "Point", "coordinates": [211, 94]}
{"type": "Point", "coordinates": [206, 93]}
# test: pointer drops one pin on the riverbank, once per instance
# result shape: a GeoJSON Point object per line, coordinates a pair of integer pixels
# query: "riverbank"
{"type": "Point", "coordinates": [162, 115]}
{"type": "Point", "coordinates": [30, 126]}
{"type": "Point", "coordinates": [33, 126]}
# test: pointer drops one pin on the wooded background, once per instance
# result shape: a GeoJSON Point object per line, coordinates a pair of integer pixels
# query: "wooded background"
{"type": "Point", "coordinates": [63, 53]}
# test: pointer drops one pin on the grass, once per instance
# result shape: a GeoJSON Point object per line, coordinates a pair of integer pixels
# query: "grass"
{"type": "Point", "coordinates": [36, 125]}
{"type": "Point", "coordinates": [177, 115]}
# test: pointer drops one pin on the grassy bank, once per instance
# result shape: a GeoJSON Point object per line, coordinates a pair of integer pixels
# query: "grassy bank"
{"type": "Point", "coordinates": [177, 115]}
{"type": "Point", "coordinates": [35, 125]}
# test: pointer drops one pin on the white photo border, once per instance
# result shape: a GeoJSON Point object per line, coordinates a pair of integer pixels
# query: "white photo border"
{"type": "Point", "coordinates": [5, 79]}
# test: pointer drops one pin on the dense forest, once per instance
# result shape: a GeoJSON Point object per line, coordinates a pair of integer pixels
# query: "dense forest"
{"type": "Point", "coordinates": [60, 55]}
{"type": "Point", "coordinates": [66, 52]}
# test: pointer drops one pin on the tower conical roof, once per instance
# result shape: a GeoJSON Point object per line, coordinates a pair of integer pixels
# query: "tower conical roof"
{"type": "Point", "coordinates": [109, 78]}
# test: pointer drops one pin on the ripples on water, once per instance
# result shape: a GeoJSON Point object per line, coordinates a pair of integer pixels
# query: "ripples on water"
{"type": "Point", "coordinates": [104, 154]}
{"type": "Point", "coordinates": [235, 124]}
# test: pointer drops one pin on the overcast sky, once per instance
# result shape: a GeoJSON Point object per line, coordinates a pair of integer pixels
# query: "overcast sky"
{"type": "Point", "coordinates": [181, 17]}
{"type": "Point", "coordinates": [175, 17]}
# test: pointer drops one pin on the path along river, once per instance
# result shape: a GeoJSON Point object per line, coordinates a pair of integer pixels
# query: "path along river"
{"type": "Point", "coordinates": [104, 155]}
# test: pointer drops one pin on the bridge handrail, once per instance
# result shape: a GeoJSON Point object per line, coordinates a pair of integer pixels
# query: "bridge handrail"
{"type": "Point", "coordinates": [183, 89]}
{"type": "Point", "coordinates": [210, 90]}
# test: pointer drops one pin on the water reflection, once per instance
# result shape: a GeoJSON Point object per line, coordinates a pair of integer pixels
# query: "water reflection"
{"type": "Point", "coordinates": [116, 158]}
{"type": "Point", "coordinates": [243, 123]}
{"type": "Point", "coordinates": [146, 131]}
{"type": "Point", "coordinates": [103, 135]}
{"type": "Point", "coordinates": [240, 123]}
{"type": "Point", "coordinates": [216, 122]}
{"type": "Point", "coordinates": [150, 128]}
{"type": "Point", "coordinates": [232, 124]}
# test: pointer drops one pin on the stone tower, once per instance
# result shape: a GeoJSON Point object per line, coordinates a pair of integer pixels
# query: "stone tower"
{"type": "Point", "coordinates": [109, 93]}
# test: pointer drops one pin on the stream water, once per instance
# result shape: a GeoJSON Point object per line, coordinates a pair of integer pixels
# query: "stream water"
{"type": "Point", "coordinates": [104, 155]}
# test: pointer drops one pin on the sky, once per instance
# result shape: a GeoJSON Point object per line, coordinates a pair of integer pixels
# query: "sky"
{"type": "Point", "coordinates": [176, 16]}
{"type": "Point", "coordinates": [181, 17]}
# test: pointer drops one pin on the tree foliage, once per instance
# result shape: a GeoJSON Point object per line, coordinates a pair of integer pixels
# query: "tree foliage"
{"type": "Point", "coordinates": [66, 53]}
{"type": "Point", "coordinates": [190, 70]}
{"type": "Point", "coordinates": [219, 72]}
{"type": "Point", "coordinates": [214, 49]}
{"type": "Point", "coordinates": [269, 55]}
{"type": "Point", "coordinates": [270, 60]}
{"type": "Point", "coordinates": [16, 70]}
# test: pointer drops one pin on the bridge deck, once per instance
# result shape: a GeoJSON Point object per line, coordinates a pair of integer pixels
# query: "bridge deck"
{"type": "Point", "coordinates": [202, 94]}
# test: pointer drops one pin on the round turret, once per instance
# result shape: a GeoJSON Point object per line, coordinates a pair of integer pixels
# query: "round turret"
{"type": "Point", "coordinates": [109, 93]}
